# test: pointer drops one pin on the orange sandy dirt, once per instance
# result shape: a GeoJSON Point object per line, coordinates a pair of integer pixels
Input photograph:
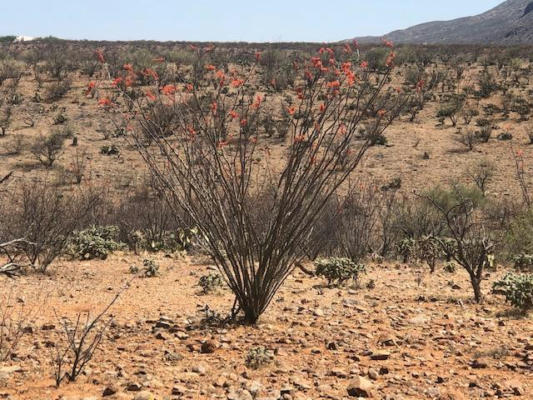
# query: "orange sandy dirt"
{"type": "Point", "coordinates": [412, 336]}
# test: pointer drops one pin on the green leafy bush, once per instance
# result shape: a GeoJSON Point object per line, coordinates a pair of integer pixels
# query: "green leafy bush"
{"type": "Point", "coordinates": [211, 282]}
{"type": "Point", "coordinates": [407, 249]}
{"type": "Point", "coordinates": [517, 289]}
{"type": "Point", "coordinates": [95, 242]}
{"type": "Point", "coordinates": [429, 250]}
{"type": "Point", "coordinates": [523, 262]}
{"type": "Point", "coordinates": [451, 109]}
{"type": "Point", "coordinates": [258, 357]}
{"type": "Point", "coordinates": [450, 267]}
{"type": "Point", "coordinates": [150, 268]}
{"type": "Point", "coordinates": [179, 240]}
{"type": "Point", "coordinates": [109, 150]}
{"type": "Point", "coordinates": [504, 136]}
{"type": "Point", "coordinates": [338, 270]}
{"type": "Point", "coordinates": [519, 237]}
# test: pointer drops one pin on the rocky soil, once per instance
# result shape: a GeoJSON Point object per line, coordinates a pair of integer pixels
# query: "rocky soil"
{"type": "Point", "coordinates": [402, 334]}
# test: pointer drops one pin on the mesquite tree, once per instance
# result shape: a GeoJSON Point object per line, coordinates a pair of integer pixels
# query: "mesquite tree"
{"type": "Point", "coordinates": [472, 246]}
{"type": "Point", "coordinates": [255, 205]}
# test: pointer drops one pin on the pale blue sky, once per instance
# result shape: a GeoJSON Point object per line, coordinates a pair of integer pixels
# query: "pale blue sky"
{"type": "Point", "coordinates": [238, 20]}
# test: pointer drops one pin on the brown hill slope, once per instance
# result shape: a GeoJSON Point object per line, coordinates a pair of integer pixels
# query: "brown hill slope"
{"type": "Point", "coordinates": [509, 23]}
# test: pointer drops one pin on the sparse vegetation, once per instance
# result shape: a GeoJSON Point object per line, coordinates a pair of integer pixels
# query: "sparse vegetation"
{"type": "Point", "coordinates": [338, 270]}
{"type": "Point", "coordinates": [274, 163]}
{"type": "Point", "coordinates": [258, 357]}
{"type": "Point", "coordinates": [94, 242]}
{"type": "Point", "coordinates": [517, 289]}
{"type": "Point", "coordinates": [211, 283]}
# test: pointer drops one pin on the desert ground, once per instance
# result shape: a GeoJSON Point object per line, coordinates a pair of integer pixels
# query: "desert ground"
{"type": "Point", "coordinates": [398, 332]}
{"type": "Point", "coordinates": [412, 336]}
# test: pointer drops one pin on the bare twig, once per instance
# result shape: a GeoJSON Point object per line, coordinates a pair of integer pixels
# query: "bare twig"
{"type": "Point", "coordinates": [83, 340]}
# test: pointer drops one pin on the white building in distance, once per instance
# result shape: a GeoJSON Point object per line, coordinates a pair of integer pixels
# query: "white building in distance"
{"type": "Point", "coordinates": [20, 39]}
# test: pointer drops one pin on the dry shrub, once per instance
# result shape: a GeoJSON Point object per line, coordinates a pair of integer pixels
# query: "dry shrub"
{"type": "Point", "coordinates": [45, 218]}
{"type": "Point", "coordinates": [206, 163]}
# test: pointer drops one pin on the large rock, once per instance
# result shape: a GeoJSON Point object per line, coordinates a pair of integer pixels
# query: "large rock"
{"type": "Point", "coordinates": [360, 387]}
{"type": "Point", "coordinates": [240, 394]}
{"type": "Point", "coordinates": [5, 372]}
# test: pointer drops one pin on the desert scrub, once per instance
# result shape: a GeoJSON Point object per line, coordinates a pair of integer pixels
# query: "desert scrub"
{"type": "Point", "coordinates": [260, 240]}
{"type": "Point", "coordinates": [150, 268]}
{"type": "Point", "coordinates": [338, 270]}
{"type": "Point", "coordinates": [174, 241]}
{"type": "Point", "coordinates": [111, 150]}
{"type": "Point", "coordinates": [517, 289]}
{"type": "Point", "coordinates": [258, 357]}
{"type": "Point", "coordinates": [211, 282]}
{"type": "Point", "coordinates": [407, 249]}
{"type": "Point", "coordinates": [94, 242]}
{"type": "Point", "coordinates": [523, 262]}
{"type": "Point", "coordinates": [47, 149]}
{"type": "Point", "coordinates": [450, 267]}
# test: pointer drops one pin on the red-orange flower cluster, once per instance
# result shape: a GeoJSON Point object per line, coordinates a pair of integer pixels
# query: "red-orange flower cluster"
{"type": "Point", "coordinates": [150, 96]}
{"type": "Point", "coordinates": [90, 88]}
{"type": "Point", "coordinates": [100, 56]}
{"type": "Point", "coordinates": [237, 83]}
{"type": "Point", "coordinates": [390, 60]}
{"type": "Point", "coordinates": [257, 103]}
{"type": "Point", "coordinates": [168, 90]}
{"type": "Point", "coordinates": [387, 43]}
{"type": "Point", "coordinates": [149, 72]}
{"type": "Point", "coordinates": [105, 102]}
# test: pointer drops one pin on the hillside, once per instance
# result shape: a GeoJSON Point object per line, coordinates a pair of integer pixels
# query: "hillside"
{"type": "Point", "coordinates": [509, 23]}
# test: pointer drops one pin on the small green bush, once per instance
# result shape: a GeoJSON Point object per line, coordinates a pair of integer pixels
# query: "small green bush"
{"type": "Point", "coordinates": [523, 262]}
{"type": "Point", "coordinates": [150, 268]}
{"type": "Point", "coordinates": [211, 282]}
{"type": "Point", "coordinates": [109, 150]}
{"type": "Point", "coordinates": [519, 236]}
{"type": "Point", "coordinates": [504, 136]}
{"type": "Point", "coordinates": [451, 109]}
{"type": "Point", "coordinates": [429, 251]}
{"type": "Point", "coordinates": [517, 289]}
{"type": "Point", "coordinates": [407, 249]}
{"type": "Point", "coordinates": [95, 242]}
{"type": "Point", "coordinates": [338, 270]}
{"type": "Point", "coordinates": [179, 240]}
{"type": "Point", "coordinates": [450, 267]}
{"type": "Point", "coordinates": [258, 357]}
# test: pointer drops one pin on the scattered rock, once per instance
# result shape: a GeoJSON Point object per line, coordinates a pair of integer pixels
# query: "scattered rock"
{"type": "Point", "coordinates": [240, 394]}
{"type": "Point", "coordinates": [373, 374]}
{"type": "Point", "coordinates": [360, 387]}
{"type": "Point", "coordinates": [160, 336]}
{"type": "Point", "coordinates": [144, 396]}
{"type": "Point", "coordinates": [380, 356]}
{"type": "Point", "coordinates": [199, 369]}
{"type": "Point", "coordinates": [133, 387]}
{"type": "Point", "coordinates": [109, 390]}
{"type": "Point", "coordinates": [5, 372]}
{"type": "Point", "coordinates": [479, 363]}
{"type": "Point", "coordinates": [339, 373]}
{"type": "Point", "coordinates": [208, 347]}
{"type": "Point", "coordinates": [178, 391]}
